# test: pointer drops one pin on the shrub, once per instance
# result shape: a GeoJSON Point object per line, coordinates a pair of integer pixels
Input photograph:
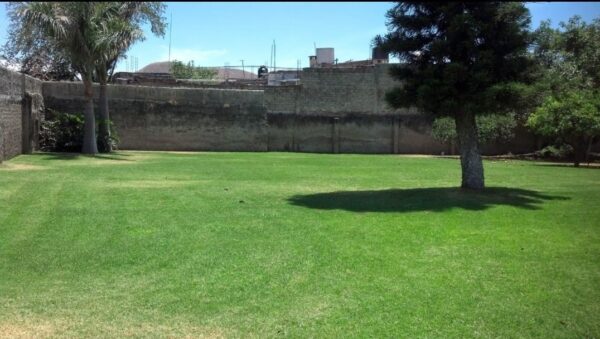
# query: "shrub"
{"type": "Point", "coordinates": [555, 152]}
{"type": "Point", "coordinates": [63, 132]}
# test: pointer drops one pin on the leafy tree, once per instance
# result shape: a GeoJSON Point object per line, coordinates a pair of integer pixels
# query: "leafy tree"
{"type": "Point", "coordinates": [35, 55]}
{"type": "Point", "coordinates": [120, 31]}
{"type": "Point", "coordinates": [189, 71]}
{"type": "Point", "coordinates": [461, 59]}
{"type": "Point", "coordinates": [573, 118]}
{"type": "Point", "coordinates": [569, 83]}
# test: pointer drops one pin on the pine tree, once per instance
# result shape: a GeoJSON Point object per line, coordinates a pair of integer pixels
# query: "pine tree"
{"type": "Point", "coordinates": [460, 59]}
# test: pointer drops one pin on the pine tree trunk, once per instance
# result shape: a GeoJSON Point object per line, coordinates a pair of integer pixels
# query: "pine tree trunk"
{"type": "Point", "coordinates": [470, 158]}
{"type": "Point", "coordinates": [103, 125]}
{"type": "Point", "coordinates": [89, 125]}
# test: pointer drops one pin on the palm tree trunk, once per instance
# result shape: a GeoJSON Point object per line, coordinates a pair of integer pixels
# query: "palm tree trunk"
{"type": "Point", "coordinates": [103, 125]}
{"type": "Point", "coordinates": [470, 158]}
{"type": "Point", "coordinates": [89, 126]}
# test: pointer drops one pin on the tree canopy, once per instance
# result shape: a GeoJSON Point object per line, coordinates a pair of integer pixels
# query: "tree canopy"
{"type": "Point", "coordinates": [459, 59]}
{"type": "Point", "coordinates": [90, 36]}
{"type": "Point", "coordinates": [569, 84]}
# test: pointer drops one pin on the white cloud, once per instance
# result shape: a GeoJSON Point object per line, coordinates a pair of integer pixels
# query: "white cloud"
{"type": "Point", "coordinates": [187, 54]}
{"type": "Point", "coordinates": [10, 65]}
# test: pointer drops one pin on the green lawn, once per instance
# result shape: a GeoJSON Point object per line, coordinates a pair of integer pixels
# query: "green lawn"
{"type": "Point", "coordinates": [300, 245]}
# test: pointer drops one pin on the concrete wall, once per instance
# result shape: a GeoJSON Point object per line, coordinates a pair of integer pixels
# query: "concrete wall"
{"type": "Point", "coordinates": [333, 110]}
{"type": "Point", "coordinates": [21, 105]}
{"type": "Point", "coordinates": [302, 118]}
{"type": "Point", "coordinates": [351, 133]}
{"type": "Point", "coordinates": [343, 110]}
{"type": "Point", "coordinates": [159, 118]}
{"type": "Point", "coordinates": [336, 91]}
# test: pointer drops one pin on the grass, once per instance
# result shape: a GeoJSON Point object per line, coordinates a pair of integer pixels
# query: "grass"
{"type": "Point", "coordinates": [296, 245]}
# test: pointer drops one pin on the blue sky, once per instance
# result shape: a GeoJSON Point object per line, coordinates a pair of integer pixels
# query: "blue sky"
{"type": "Point", "coordinates": [216, 33]}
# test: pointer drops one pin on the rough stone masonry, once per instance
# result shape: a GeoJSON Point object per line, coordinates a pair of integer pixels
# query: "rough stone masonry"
{"type": "Point", "coordinates": [335, 110]}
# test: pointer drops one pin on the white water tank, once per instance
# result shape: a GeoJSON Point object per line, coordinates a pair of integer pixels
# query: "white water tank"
{"type": "Point", "coordinates": [325, 56]}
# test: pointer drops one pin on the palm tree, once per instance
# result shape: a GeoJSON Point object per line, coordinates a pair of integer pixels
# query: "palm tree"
{"type": "Point", "coordinates": [120, 31]}
{"type": "Point", "coordinates": [71, 27]}
{"type": "Point", "coordinates": [92, 36]}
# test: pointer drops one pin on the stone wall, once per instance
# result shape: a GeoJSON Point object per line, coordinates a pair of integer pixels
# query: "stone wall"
{"type": "Point", "coordinates": [21, 104]}
{"type": "Point", "coordinates": [333, 110]}
{"type": "Point", "coordinates": [351, 133]}
{"type": "Point", "coordinates": [182, 119]}
{"type": "Point", "coordinates": [344, 109]}
{"type": "Point", "coordinates": [336, 91]}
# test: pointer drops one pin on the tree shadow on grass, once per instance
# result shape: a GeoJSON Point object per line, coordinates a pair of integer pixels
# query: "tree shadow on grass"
{"type": "Point", "coordinates": [423, 199]}
{"type": "Point", "coordinates": [74, 156]}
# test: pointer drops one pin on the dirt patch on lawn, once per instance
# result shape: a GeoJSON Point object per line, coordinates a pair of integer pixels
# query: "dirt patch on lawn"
{"type": "Point", "coordinates": [36, 328]}
{"type": "Point", "coordinates": [9, 166]}
{"type": "Point", "coordinates": [152, 183]}
{"type": "Point", "coordinates": [28, 329]}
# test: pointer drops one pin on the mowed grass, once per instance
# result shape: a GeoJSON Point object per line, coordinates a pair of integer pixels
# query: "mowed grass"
{"type": "Point", "coordinates": [152, 244]}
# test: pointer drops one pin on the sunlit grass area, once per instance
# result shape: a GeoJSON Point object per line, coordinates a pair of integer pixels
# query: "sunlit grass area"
{"type": "Point", "coordinates": [300, 245]}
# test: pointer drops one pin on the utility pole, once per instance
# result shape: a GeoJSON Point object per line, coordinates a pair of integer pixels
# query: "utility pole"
{"type": "Point", "coordinates": [274, 56]}
{"type": "Point", "coordinates": [243, 72]}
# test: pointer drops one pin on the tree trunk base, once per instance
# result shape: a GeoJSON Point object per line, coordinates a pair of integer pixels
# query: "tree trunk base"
{"type": "Point", "coordinates": [470, 157]}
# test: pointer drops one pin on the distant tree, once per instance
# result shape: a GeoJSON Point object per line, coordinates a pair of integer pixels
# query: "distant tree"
{"type": "Point", "coordinates": [569, 83]}
{"type": "Point", "coordinates": [461, 59]}
{"type": "Point", "coordinates": [573, 118]}
{"type": "Point", "coordinates": [189, 71]}
{"type": "Point", "coordinates": [490, 128]}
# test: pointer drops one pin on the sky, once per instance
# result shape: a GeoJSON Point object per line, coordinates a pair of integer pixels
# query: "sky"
{"type": "Point", "coordinates": [225, 33]}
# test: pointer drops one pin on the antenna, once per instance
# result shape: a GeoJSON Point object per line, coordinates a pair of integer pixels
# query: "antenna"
{"type": "Point", "coordinates": [170, 30]}
{"type": "Point", "coordinates": [274, 56]}
{"type": "Point", "coordinates": [271, 61]}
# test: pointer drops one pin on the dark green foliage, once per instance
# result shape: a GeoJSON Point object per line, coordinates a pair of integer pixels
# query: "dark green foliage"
{"type": "Point", "coordinates": [63, 132]}
{"type": "Point", "coordinates": [460, 57]}
{"type": "Point", "coordinates": [189, 71]}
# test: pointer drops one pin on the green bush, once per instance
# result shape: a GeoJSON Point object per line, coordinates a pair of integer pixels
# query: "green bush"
{"type": "Point", "coordinates": [555, 152]}
{"type": "Point", "coordinates": [63, 132]}
{"type": "Point", "coordinates": [490, 128]}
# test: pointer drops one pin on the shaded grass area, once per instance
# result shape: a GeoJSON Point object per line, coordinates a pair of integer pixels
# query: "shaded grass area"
{"type": "Point", "coordinates": [301, 245]}
{"type": "Point", "coordinates": [423, 199]}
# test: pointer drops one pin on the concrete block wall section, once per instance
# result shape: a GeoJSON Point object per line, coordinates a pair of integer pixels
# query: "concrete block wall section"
{"type": "Point", "coordinates": [21, 103]}
{"type": "Point", "coordinates": [176, 119]}
{"type": "Point", "coordinates": [334, 110]}
{"type": "Point", "coordinates": [356, 133]}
